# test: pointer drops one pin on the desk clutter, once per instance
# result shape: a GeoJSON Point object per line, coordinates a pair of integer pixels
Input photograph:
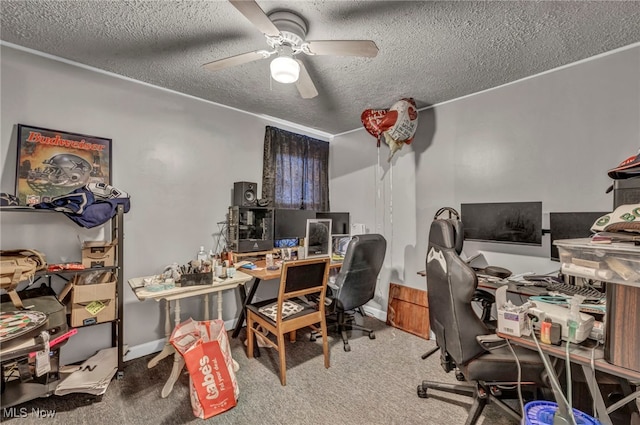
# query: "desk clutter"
{"type": "Point", "coordinates": [205, 270]}
{"type": "Point", "coordinates": [541, 312]}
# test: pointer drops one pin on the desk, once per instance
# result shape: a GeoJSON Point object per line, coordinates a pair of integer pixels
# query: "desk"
{"type": "Point", "coordinates": [526, 290]}
{"type": "Point", "coordinates": [176, 294]}
{"type": "Point", "coordinates": [259, 274]}
{"type": "Point", "coordinates": [581, 355]}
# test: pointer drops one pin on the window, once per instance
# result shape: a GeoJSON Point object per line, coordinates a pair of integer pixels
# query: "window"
{"type": "Point", "coordinates": [295, 170]}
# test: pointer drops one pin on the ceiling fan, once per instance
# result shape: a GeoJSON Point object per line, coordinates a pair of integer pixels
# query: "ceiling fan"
{"type": "Point", "coordinates": [285, 32]}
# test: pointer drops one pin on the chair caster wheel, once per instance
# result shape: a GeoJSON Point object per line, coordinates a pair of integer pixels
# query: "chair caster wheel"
{"type": "Point", "coordinates": [372, 336]}
{"type": "Point", "coordinates": [460, 376]}
{"type": "Point", "coordinates": [347, 348]}
{"type": "Point", "coordinates": [422, 392]}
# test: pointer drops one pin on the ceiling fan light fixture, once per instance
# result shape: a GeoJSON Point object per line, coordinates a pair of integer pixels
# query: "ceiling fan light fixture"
{"type": "Point", "coordinates": [284, 69]}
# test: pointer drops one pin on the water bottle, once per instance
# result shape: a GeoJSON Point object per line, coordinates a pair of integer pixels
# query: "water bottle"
{"type": "Point", "coordinates": [202, 255]}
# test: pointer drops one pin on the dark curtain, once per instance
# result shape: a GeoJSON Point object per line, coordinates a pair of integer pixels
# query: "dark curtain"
{"type": "Point", "coordinates": [295, 171]}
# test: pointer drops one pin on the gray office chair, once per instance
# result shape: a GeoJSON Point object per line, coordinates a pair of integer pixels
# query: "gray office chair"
{"type": "Point", "coordinates": [355, 284]}
{"type": "Point", "coordinates": [463, 338]}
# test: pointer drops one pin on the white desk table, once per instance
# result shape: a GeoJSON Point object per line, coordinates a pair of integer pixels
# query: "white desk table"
{"type": "Point", "coordinates": [176, 294]}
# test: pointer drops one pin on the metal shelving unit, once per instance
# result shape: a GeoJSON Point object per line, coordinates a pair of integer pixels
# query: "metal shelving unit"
{"type": "Point", "coordinates": [21, 392]}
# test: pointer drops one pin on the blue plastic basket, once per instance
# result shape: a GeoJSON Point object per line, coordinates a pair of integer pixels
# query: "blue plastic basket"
{"type": "Point", "coordinates": [541, 413]}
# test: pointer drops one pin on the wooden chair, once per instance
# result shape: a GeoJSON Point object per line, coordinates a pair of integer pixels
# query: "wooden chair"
{"type": "Point", "coordinates": [298, 279]}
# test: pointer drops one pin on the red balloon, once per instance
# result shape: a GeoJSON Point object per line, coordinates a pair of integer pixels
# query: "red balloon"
{"type": "Point", "coordinates": [371, 119]}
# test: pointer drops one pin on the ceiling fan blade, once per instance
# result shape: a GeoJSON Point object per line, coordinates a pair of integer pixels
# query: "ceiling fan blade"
{"type": "Point", "coordinates": [256, 15]}
{"type": "Point", "coordinates": [366, 48]}
{"type": "Point", "coordinates": [236, 60]}
{"type": "Point", "coordinates": [304, 84]}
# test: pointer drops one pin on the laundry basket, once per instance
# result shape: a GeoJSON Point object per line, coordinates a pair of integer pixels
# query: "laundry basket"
{"type": "Point", "coordinates": [541, 413]}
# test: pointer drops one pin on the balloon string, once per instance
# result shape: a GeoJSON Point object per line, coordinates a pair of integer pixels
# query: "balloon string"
{"type": "Point", "coordinates": [391, 214]}
{"type": "Point", "coordinates": [377, 191]}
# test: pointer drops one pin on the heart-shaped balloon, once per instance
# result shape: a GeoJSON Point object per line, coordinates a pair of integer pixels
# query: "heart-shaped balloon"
{"type": "Point", "coordinates": [371, 119]}
{"type": "Point", "coordinates": [396, 126]}
{"type": "Point", "coordinates": [401, 121]}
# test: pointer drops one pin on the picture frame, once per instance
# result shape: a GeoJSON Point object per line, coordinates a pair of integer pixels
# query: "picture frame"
{"type": "Point", "coordinates": [52, 163]}
{"type": "Point", "coordinates": [318, 238]}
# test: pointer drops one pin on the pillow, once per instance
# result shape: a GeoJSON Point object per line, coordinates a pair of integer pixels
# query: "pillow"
{"type": "Point", "coordinates": [288, 308]}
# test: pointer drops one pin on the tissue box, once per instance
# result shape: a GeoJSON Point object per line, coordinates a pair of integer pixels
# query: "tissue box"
{"type": "Point", "coordinates": [513, 323]}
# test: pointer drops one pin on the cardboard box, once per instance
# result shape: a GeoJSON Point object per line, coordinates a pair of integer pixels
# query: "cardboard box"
{"type": "Point", "coordinates": [99, 253]}
{"type": "Point", "coordinates": [84, 315]}
{"type": "Point", "coordinates": [91, 303]}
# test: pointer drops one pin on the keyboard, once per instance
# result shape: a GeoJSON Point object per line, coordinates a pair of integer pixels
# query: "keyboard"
{"type": "Point", "coordinates": [585, 291]}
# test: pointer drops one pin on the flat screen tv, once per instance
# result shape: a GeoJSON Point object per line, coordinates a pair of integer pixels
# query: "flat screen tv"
{"type": "Point", "coordinates": [339, 222]}
{"type": "Point", "coordinates": [290, 223]}
{"type": "Point", "coordinates": [570, 225]}
{"type": "Point", "coordinates": [503, 222]}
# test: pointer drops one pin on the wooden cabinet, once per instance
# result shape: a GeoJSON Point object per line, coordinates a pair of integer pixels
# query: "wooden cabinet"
{"type": "Point", "coordinates": [408, 310]}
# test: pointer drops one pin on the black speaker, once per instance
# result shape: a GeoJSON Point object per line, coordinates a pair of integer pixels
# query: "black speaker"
{"type": "Point", "coordinates": [245, 194]}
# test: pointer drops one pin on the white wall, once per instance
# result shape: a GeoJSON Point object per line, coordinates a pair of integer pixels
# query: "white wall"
{"type": "Point", "coordinates": [176, 156]}
{"type": "Point", "coordinates": [548, 138]}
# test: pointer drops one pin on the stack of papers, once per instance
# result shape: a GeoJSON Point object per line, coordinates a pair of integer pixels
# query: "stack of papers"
{"type": "Point", "coordinates": [92, 376]}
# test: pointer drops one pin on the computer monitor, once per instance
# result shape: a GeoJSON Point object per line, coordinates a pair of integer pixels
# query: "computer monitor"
{"type": "Point", "coordinates": [570, 225]}
{"type": "Point", "coordinates": [503, 222]}
{"type": "Point", "coordinates": [318, 238]}
{"type": "Point", "coordinates": [340, 225]}
{"type": "Point", "coordinates": [290, 223]}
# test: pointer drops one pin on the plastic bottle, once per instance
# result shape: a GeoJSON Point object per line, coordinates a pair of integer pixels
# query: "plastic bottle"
{"type": "Point", "coordinates": [545, 331]}
{"type": "Point", "coordinates": [574, 318]}
{"type": "Point", "coordinates": [202, 255]}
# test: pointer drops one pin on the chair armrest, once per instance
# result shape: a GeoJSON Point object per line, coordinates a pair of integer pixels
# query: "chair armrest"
{"type": "Point", "coordinates": [491, 342]}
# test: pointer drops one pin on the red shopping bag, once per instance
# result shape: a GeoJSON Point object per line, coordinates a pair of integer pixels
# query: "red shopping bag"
{"type": "Point", "coordinates": [207, 354]}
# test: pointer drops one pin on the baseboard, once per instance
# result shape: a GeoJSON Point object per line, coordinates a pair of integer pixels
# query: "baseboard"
{"type": "Point", "coordinates": [144, 349]}
{"type": "Point", "coordinates": [151, 347]}
{"type": "Point", "coordinates": [375, 312]}
{"type": "Point", "coordinates": [157, 345]}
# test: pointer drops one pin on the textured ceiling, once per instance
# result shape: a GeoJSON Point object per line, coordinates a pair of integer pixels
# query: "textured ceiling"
{"type": "Point", "coordinates": [431, 51]}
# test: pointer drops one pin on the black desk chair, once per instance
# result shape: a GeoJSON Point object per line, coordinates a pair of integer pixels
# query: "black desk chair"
{"type": "Point", "coordinates": [355, 284]}
{"type": "Point", "coordinates": [484, 298]}
{"type": "Point", "coordinates": [490, 371]}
